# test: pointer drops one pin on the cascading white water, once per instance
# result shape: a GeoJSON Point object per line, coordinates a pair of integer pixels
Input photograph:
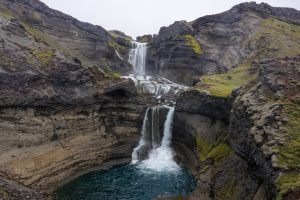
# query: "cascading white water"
{"type": "Point", "coordinates": [142, 142]}
{"type": "Point", "coordinates": [160, 156]}
{"type": "Point", "coordinates": [137, 57]}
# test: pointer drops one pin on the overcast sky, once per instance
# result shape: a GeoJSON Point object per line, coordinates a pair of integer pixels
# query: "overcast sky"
{"type": "Point", "coordinates": [140, 17]}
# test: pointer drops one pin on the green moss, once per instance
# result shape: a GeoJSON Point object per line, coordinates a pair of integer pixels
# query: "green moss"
{"type": "Point", "coordinates": [204, 169]}
{"type": "Point", "coordinates": [280, 34]}
{"type": "Point", "coordinates": [3, 194]}
{"type": "Point", "coordinates": [219, 85]}
{"type": "Point", "coordinates": [144, 40]}
{"type": "Point", "coordinates": [217, 150]}
{"type": "Point", "coordinates": [114, 34]}
{"type": "Point", "coordinates": [6, 13]}
{"type": "Point", "coordinates": [288, 181]}
{"type": "Point", "coordinates": [289, 153]}
{"type": "Point", "coordinates": [204, 148]}
{"type": "Point", "coordinates": [42, 56]}
{"type": "Point", "coordinates": [109, 72]}
{"type": "Point", "coordinates": [219, 153]}
{"type": "Point", "coordinates": [119, 48]}
{"type": "Point", "coordinates": [193, 44]}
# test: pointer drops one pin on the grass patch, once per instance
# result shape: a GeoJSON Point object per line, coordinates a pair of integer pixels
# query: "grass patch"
{"type": "Point", "coordinates": [279, 34]}
{"type": "Point", "coordinates": [193, 44]}
{"type": "Point", "coordinates": [119, 48]}
{"type": "Point", "coordinates": [109, 72]}
{"type": "Point", "coordinates": [288, 181]}
{"type": "Point", "coordinates": [217, 150]}
{"type": "Point", "coordinates": [289, 153]}
{"type": "Point", "coordinates": [221, 85]}
{"type": "Point", "coordinates": [114, 34]}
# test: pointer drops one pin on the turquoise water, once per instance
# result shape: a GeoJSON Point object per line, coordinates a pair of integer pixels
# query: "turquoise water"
{"type": "Point", "coordinates": [128, 182]}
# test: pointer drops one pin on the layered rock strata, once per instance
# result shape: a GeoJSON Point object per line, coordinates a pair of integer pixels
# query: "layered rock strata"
{"type": "Point", "coordinates": [251, 153]}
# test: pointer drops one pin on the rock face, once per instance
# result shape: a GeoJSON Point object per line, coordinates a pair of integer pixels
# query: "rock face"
{"type": "Point", "coordinates": [224, 40]}
{"type": "Point", "coordinates": [62, 112]}
{"type": "Point", "coordinates": [244, 157]}
{"type": "Point", "coordinates": [64, 35]}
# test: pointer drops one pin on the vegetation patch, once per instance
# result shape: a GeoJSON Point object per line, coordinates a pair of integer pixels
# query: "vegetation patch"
{"type": "Point", "coordinates": [217, 150]}
{"type": "Point", "coordinates": [284, 36]}
{"type": "Point", "coordinates": [42, 56]}
{"type": "Point", "coordinates": [109, 72]}
{"type": "Point", "coordinates": [221, 85]}
{"type": "Point", "coordinates": [115, 34]}
{"type": "Point", "coordinates": [6, 13]}
{"type": "Point", "coordinates": [119, 48]}
{"type": "Point", "coordinates": [193, 44]}
{"type": "Point", "coordinates": [289, 181]}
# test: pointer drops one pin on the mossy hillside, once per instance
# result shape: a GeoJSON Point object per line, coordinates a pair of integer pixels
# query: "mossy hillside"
{"type": "Point", "coordinates": [109, 72]}
{"type": "Point", "coordinates": [119, 48]}
{"type": "Point", "coordinates": [114, 34]}
{"type": "Point", "coordinates": [279, 34]}
{"type": "Point", "coordinates": [273, 33]}
{"type": "Point", "coordinates": [193, 44]}
{"type": "Point", "coordinates": [289, 152]}
{"type": "Point", "coordinates": [221, 85]}
{"type": "Point", "coordinates": [288, 182]}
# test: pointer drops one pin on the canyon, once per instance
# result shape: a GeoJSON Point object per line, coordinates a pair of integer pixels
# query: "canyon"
{"type": "Point", "coordinates": [65, 111]}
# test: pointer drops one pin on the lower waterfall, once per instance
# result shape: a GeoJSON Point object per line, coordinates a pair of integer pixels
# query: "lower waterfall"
{"type": "Point", "coordinates": [160, 154]}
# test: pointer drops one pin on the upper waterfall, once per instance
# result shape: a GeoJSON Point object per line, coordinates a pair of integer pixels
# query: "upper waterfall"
{"type": "Point", "coordinates": [137, 57]}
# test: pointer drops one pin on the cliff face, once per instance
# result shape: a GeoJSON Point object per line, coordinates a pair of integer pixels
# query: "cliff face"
{"type": "Point", "coordinates": [261, 137]}
{"type": "Point", "coordinates": [28, 26]}
{"type": "Point", "coordinates": [213, 44]}
{"type": "Point", "coordinates": [243, 125]}
{"type": "Point", "coordinates": [63, 111]}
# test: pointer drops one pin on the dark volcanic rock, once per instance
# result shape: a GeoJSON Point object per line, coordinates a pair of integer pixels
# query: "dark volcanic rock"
{"type": "Point", "coordinates": [223, 38]}
{"type": "Point", "coordinates": [204, 104]}
{"type": "Point", "coordinates": [62, 114]}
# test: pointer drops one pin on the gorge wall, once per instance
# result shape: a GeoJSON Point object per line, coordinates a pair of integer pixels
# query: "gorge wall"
{"type": "Point", "coordinates": [242, 125]}
{"type": "Point", "coordinates": [213, 44]}
{"type": "Point", "coordinates": [63, 109]}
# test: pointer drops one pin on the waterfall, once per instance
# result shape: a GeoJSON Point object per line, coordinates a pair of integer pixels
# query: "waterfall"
{"type": "Point", "coordinates": [137, 57]}
{"type": "Point", "coordinates": [160, 154]}
{"type": "Point", "coordinates": [142, 142]}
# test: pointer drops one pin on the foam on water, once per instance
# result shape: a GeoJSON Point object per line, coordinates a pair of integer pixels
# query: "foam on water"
{"type": "Point", "coordinates": [160, 157]}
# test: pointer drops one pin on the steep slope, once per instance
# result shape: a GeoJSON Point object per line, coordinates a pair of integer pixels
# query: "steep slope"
{"type": "Point", "coordinates": [62, 112]}
{"type": "Point", "coordinates": [248, 116]}
{"type": "Point", "coordinates": [212, 44]}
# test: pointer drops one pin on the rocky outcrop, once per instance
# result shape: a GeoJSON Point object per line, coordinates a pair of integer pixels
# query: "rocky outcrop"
{"type": "Point", "coordinates": [44, 146]}
{"type": "Point", "coordinates": [249, 154]}
{"type": "Point", "coordinates": [63, 112]}
{"type": "Point", "coordinates": [33, 20]}
{"type": "Point", "coordinates": [224, 40]}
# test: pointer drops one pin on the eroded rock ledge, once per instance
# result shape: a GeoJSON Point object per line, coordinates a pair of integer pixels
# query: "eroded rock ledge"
{"type": "Point", "coordinates": [253, 154]}
{"type": "Point", "coordinates": [44, 146]}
